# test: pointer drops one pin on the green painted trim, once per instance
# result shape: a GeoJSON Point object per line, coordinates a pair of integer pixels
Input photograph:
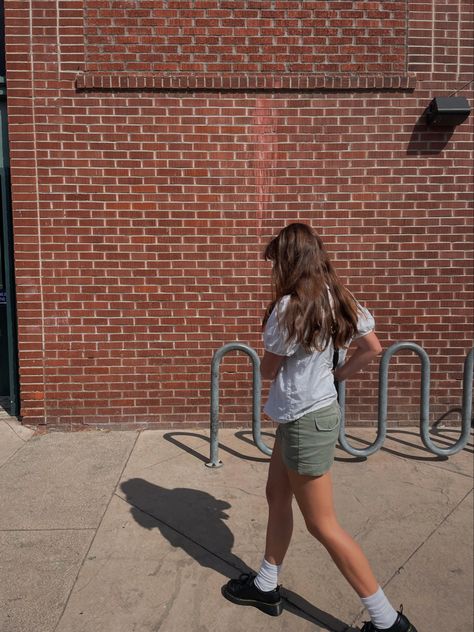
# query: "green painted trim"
{"type": "Point", "coordinates": [7, 223]}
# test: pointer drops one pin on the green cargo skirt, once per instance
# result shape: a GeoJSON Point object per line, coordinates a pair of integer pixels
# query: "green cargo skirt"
{"type": "Point", "coordinates": [308, 444]}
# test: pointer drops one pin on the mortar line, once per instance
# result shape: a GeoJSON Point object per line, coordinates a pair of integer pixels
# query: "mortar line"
{"type": "Point", "coordinates": [95, 534]}
{"type": "Point", "coordinates": [396, 572]}
{"type": "Point", "coordinates": [458, 65]}
{"type": "Point", "coordinates": [38, 210]}
{"type": "Point", "coordinates": [433, 25]}
{"type": "Point", "coordinates": [58, 42]}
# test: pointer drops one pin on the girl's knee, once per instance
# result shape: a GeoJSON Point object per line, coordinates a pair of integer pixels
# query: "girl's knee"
{"type": "Point", "coordinates": [323, 529]}
{"type": "Point", "coordinates": [278, 496]}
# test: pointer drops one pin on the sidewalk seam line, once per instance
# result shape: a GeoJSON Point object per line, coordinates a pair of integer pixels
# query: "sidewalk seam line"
{"type": "Point", "coordinates": [14, 431]}
{"type": "Point", "coordinates": [96, 530]}
{"type": "Point", "coordinates": [438, 467]}
{"type": "Point", "coordinates": [13, 454]}
{"type": "Point", "coordinates": [53, 529]}
{"type": "Point", "coordinates": [431, 534]}
{"type": "Point", "coordinates": [169, 458]}
{"type": "Point", "coordinates": [201, 546]}
{"type": "Point", "coordinates": [418, 548]}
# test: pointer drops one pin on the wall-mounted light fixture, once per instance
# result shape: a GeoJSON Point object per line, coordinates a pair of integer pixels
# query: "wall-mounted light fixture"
{"type": "Point", "coordinates": [447, 111]}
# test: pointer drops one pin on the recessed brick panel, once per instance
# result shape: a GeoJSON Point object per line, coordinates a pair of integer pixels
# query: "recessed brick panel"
{"type": "Point", "coordinates": [241, 37]}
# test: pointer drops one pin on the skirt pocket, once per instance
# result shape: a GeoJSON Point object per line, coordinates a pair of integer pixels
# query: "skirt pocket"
{"type": "Point", "coordinates": [308, 443]}
{"type": "Point", "coordinates": [327, 420]}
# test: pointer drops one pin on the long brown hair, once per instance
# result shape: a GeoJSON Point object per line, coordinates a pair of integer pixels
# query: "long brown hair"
{"type": "Point", "coordinates": [302, 270]}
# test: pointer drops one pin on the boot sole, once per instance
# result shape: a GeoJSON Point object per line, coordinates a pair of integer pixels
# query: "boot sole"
{"type": "Point", "coordinates": [273, 609]}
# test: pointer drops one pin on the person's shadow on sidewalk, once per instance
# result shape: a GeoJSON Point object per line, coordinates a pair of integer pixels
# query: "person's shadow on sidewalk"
{"type": "Point", "coordinates": [190, 519]}
{"type": "Point", "coordinates": [194, 521]}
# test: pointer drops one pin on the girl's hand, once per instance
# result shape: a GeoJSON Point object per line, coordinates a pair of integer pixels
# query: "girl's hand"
{"type": "Point", "coordinates": [270, 365]}
{"type": "Point", "coordinates": [368, 347]}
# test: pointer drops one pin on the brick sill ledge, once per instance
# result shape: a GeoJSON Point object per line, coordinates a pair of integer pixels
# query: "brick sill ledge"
{"type": "Point", "coordinates": [216, 83]}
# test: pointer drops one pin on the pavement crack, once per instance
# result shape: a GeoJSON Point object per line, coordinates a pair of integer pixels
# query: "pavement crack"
{"type": "Point", "coordinates": [12, 428]}
{"type": "Point", "coordinates": [293, 605]}
{"type": "Point", "coordinates": [96, 531]}
{"type": "Point", "coordinates": [431, 534]}
{"type": "Point", "coordinates": [246, 492]}
{"type": "Point", "coordinates": [169, 603]}
{"type": "Point", "coordinates": [22, 447]}
{"type": "Point", "coordinates": [401, 567]}
{"type": "Point", "coordinates": [180, 533]}
{"type": "Point", "coordinates": [445, 469]}
{"type": "Point", "coordinates": [48, 530]}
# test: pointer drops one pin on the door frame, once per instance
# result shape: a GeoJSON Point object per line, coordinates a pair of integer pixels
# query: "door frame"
{"type": "Point", "coordinates": [8, 255]}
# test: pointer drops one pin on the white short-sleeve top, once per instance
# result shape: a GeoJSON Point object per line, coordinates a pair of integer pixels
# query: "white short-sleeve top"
{"type": "Point", "coordinates": [305, 381]}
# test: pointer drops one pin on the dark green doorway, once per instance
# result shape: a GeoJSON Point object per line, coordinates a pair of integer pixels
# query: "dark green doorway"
{"type": "Point", "coordinates": [9, 390]}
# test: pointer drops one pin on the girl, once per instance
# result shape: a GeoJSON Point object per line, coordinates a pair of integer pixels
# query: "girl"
{"type": "Point", "coordinates": [311, 315]}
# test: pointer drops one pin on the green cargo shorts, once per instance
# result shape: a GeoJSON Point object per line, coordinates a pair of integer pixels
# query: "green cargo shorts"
{"type": "Point", "coordinates": [308, 444]}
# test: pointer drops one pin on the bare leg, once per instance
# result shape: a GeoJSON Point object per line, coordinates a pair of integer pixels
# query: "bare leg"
{"type": "Point", "coordinates": [280, 513]}
{"type": "Point", "coordinates": [315, 499]}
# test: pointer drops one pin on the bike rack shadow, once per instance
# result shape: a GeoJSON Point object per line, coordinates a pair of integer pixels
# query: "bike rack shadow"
{"type": "Point", "coordinates": [441, 453]}
{"type": "Point", "coordinates": [241, 434]}
{"type": "Point", "coordinates": [435, 458]}
{"type": "Point", "coordinates": [171, 437]}
{"type": "Point", "coordinates": [246, 437]}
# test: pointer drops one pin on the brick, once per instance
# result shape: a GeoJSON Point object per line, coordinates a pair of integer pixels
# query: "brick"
{"type": "Point", "coordinates": [146, 180]}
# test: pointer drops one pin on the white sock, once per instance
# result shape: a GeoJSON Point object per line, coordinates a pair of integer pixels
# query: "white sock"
{"type": "Point", "coordinates": [382, 614]}
{"type": "Point", "coordinates": [267, 578]}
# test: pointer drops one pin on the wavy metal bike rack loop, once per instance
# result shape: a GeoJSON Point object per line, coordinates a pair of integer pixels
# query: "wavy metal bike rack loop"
{"type": "Point", "coordinates": [382, 404]}
{"type": "Point", "coordinates": [256, 391]}
{"type": "Point", "coordinates": [424, 405]}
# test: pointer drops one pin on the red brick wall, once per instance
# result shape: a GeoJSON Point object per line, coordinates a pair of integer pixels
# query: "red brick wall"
{"type": "Point", "coordinates": [146, 183]}
{"type": "Point", "coordinates": [253, 36]}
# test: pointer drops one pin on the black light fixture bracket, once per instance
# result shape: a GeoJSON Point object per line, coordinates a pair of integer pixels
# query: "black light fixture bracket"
{"type": "Point", "coordinates": [447, 111]}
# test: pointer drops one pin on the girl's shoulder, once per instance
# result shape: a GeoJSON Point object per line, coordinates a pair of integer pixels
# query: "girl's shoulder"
{"type": "Point", "coordinates": [284, 300]}
{"type": "Point", "coordinates": [281, 304]}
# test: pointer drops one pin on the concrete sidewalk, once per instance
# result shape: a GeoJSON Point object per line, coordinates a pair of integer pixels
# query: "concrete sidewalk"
{"type": "Point", "coordinates": [129, 531]}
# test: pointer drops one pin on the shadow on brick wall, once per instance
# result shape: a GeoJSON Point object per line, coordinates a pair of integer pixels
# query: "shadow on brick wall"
{"type": "Point", "coordinates": [428, 141]}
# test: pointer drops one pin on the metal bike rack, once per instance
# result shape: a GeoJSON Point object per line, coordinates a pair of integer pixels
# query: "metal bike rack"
{"type": "Point", "coordinates": [256, 392]}
{"type": "Point", "coordinates": [424, 408]}
{"type": "Point", "coordinates": [382, 403]}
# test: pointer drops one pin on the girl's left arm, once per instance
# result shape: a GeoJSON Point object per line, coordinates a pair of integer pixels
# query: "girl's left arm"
{"type": "Point", "coordinates": [368, 347]}
{"type": "Point", "coordinates": [270, 365]}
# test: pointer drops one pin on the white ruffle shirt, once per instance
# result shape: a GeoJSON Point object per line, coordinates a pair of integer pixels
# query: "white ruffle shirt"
{"type": "Point", "coordinates": [305, 382]}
